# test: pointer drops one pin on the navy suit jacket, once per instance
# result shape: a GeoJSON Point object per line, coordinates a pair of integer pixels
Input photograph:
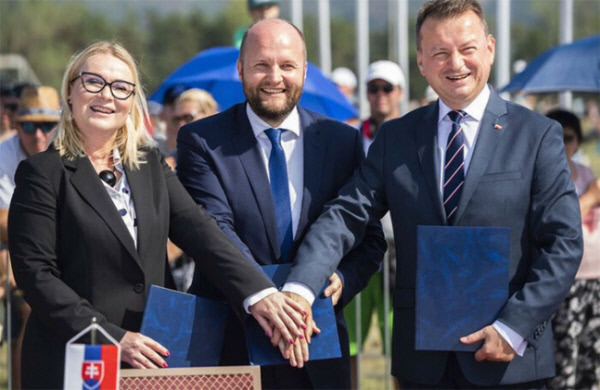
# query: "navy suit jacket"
{"type": "Point", "coordinates": [518, 178]}
{"type": "Point", "coordinates": [220, 164]}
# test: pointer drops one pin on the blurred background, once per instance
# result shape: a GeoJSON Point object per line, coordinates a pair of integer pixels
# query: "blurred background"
{"type": "Point", "coordinates": [164, 34]}
{"type": "Point", "coordinates": [38, 37]}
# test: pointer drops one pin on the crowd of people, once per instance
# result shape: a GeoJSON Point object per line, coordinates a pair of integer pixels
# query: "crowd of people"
{"type": "Point", "coordinates": [103, 193]}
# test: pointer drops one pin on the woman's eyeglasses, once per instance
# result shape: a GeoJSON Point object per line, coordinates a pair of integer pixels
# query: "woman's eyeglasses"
{"type": "Point", "coordinates": [31, 127]}
{"type": "Point", "coordinates": [94, 83]}
{"type": "Point", "coordinates": [374, 88]}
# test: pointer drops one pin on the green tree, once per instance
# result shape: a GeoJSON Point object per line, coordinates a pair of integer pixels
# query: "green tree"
{"type": "Point", "coordinates": [48, 33]}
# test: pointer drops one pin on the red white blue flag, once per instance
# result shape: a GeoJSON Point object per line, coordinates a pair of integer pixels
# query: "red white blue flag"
{"type": "Point", "coordinates": [91, 367]}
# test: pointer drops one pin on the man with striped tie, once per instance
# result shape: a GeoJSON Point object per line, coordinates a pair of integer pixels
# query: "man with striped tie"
{"type": "Point", "coordinates": [471, 159]}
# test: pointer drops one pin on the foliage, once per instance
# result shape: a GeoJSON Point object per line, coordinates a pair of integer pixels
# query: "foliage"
{"type": "Point", "coordinates": [48, 32]}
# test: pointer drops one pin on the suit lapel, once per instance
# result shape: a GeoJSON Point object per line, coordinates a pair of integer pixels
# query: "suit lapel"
{"type": "Point", "coordinates": [86, 183]}
{"type": "Point", "coordinates": [249, 153]}
{"type": "Point", "coordinates": [314, 161]}
{"type": "Point", "coordinates": [428, 157]}
{"type": "Point", "coordinates": [142, 196]}
{"type": "Point", "coordinates": [490, 131]}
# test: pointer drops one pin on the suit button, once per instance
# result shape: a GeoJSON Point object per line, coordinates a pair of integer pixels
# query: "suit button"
{"type": "Point", "coordinates": [139, 288]}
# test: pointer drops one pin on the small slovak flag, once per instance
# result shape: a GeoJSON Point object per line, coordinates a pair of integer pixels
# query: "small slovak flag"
{"type": "Point", "coordinates": [92, 366]}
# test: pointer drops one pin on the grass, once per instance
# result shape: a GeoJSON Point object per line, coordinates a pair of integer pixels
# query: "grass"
{"type": "Point", "coordinates": [372, 361]}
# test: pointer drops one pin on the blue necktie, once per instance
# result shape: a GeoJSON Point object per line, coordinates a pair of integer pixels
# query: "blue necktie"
{"type": "Point", "coordinates": [454, 172]}
{"type": "Point", "coordinates": [281, 193]}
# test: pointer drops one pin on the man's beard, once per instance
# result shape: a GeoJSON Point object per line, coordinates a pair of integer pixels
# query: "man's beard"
{"type": "Point", "coordinates": [265, 111]}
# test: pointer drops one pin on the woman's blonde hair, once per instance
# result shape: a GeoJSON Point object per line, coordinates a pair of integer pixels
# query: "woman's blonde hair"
{"type": "Point", "coordinates": [132, 138]}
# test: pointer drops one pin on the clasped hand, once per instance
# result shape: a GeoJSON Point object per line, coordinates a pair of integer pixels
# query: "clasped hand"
{"type": "Point", "coordinates": [296, 349]}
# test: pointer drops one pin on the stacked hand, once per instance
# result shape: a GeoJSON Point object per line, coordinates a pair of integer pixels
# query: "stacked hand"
{"type": "Point", "coordinates": [296, 349]}
{"type": "Point", "coordinates": [283, 319]}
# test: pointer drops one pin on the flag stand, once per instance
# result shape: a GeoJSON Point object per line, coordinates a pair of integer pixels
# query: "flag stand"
{"type": "Point", "coordinates": [92, 365]}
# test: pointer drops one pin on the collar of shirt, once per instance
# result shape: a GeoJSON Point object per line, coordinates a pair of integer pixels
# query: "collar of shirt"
{"type": "Point", "coordinates": [118, 166]}
{"type": "Point", "coordinates": [122, 199]}
{"type": "Point", "coordinates": [290, 123]}
{"type": "Point", "coordinates": [470, 125]}
{"type": "Point", "coordinates": [474, 110]}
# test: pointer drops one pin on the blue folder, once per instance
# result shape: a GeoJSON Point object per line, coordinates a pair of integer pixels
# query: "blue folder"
{"type": "Point", "coordinates": [192, 328]}
{"type": "Point", "coordinates": [462, 283]}
{"type": "Point", "coordinates": [325, 345]}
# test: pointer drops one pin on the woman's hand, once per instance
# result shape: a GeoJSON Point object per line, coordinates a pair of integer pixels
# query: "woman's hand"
{"type": "Point", "coordinates": [278, 312]}
{"type": "Point", "coordinates": [142, 352]}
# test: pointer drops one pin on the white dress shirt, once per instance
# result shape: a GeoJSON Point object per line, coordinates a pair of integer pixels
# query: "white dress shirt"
{"type": "Point", "coordinates": [121, 197]}
{"type": "Point", "coordinates": [471, 124]}
{"type": "Point", "coordinates": [292, 142]}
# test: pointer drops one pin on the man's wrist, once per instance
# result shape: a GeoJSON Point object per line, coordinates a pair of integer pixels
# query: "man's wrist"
{"type": "Point", "coordinates": [299, 289]}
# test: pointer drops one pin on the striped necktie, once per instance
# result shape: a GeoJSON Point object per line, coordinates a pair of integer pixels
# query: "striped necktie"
{"type": "Point", "coordinates": [454, 173]}
{"type": "Point", "coordinates": [281, 193]}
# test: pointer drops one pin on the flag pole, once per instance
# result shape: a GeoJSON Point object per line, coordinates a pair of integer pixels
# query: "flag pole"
{"type": "Point", "coordinates": [93, 330]}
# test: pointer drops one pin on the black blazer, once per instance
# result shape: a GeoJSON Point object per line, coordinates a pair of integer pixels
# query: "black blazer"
{"type": "Point", "coordinates": [220, 164]}
{"type": "Point", "coordinates": [75, 259]}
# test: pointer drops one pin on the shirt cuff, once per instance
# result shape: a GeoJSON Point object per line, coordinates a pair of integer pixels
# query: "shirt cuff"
{"type": "Point", "coordinates": [254, 298]}
{"type": "Point", "coordinates": [300, 289]}
{"type": "Point", "coordinates": [514, 339]}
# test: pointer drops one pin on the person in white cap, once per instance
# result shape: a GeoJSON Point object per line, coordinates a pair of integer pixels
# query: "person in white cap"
{"type": "Point", "coordinates": [385, 88]}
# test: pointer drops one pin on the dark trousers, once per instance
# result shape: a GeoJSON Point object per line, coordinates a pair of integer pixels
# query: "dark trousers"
{"type": "Point", "coordinates": [454, 378]}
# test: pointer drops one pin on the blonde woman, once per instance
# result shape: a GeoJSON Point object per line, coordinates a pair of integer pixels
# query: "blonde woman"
{"type": "Point", "coordinates": [89, 222]}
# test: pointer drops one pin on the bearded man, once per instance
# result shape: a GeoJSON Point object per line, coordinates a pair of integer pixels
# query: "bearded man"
{"type": "Point", "coordinates": [264, 169]}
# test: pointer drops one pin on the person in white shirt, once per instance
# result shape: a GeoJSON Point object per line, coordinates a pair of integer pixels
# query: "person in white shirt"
{"type": "Point", "coordinates": [264, 192]}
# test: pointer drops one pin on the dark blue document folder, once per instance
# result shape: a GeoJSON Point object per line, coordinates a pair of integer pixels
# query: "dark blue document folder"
{"type": "Point", "coordinates": [462, 283]}
{"type": "Point", "coordinates": [325, 345]}
{"type": "Point", "coordinates": [192, 328]}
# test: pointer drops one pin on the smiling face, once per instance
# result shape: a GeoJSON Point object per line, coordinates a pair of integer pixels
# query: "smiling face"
{"type": "Point", "coordinates": [100, 114]}
{"type": "Point", "coordinates": [273, 69]}
{"type": "Point", "coordinates": [455, 57]}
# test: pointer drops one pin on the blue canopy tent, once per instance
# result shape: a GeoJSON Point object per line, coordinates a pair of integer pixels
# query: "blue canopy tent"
{"type": "Point", "coordinates": [570, 67]}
